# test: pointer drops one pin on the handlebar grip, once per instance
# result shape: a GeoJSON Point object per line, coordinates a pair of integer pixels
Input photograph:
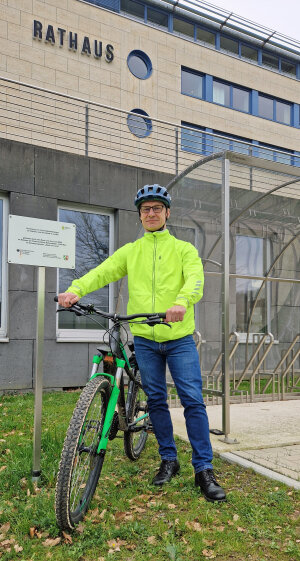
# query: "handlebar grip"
{"type": "Point", "coordinates": [55, 298]}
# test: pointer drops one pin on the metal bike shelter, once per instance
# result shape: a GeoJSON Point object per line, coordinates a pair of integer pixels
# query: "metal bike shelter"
{"type": "Point", "coordinates": [224, 204]}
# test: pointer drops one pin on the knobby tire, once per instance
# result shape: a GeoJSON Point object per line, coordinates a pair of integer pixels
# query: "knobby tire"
{"type": "Point", "coordinates": [80, 466]}
{"type": "Point", "coordinates": [135, 442]}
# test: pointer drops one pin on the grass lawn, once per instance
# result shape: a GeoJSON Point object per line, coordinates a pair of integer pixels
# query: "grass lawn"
{"type": "Point", "coordinates": [129, 519]}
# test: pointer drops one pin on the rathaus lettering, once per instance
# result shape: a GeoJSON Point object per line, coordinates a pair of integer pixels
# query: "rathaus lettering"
{"type": "Point", "coordinates": [61, 37]}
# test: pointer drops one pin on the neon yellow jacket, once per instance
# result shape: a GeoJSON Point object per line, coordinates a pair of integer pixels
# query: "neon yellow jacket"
{"type": "Point", "coordinates": [162, 271]}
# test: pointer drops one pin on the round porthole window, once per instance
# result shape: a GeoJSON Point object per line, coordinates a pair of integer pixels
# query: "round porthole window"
{"type": "Point", "coordinates": [139, 123]}
{"type": "Point", "coordinates": [139, 64]}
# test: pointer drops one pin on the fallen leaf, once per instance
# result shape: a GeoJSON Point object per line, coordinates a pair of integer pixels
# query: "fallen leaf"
{"type": "Point", "coordinates": [239, 529]}
{"type": "Point", "coordinates": [51, 542]}
{"type": "Point", "coordinates": [235, 517]}
{"type": "Point", "coordinates": [80, 528]}
{"type": "Point", "coordinates": [171, 506]}
{"type": "Point", "coordinates": [3, 468]}
{"type": "Point", "coordinates": [102, 514]}
{"type": "Point", "coordinates": [68, 538]}
{"type": "Point", "coordinates": [208, 553]}
{"type": "Point", "coordinates": [32, 532]}
{"type": "Point", "coordinates": [4, 528]}
{"type": "Point", "coordinates": [151, 539]}
{"type": "Point", "coordinates": [193, 525]}
{"type": "Point", "coordinates": [18, 548]}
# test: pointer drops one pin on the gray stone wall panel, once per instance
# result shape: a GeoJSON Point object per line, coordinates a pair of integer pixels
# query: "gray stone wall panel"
{"type": "Point", "coordinates": [17, 167]}
{"type": "Point", "coordinates": [61, 175]}
{"type": "Point", "coordinates": [16, 365]}
{"type": "Point", "coordinates": [112, 185]}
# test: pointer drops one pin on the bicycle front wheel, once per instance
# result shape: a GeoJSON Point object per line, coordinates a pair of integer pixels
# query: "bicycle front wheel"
{"type": "Point", "coordinates": [80, 465]}
{"type": "Point", "coordinates": [135, 439]}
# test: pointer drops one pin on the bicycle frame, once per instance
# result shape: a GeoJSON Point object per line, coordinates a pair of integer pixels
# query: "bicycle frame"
{"type": "Point", "coordinates": [117, 397]}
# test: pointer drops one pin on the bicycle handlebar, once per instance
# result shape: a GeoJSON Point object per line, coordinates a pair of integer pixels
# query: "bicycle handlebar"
{"type": "Point", "coordinates": [81, 308]}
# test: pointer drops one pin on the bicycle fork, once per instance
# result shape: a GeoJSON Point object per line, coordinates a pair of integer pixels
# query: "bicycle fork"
{"type": "Point", "coordinates": [111, 406]}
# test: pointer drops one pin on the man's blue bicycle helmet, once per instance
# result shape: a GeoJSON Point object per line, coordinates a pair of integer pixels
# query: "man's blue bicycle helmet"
{"type": "Point", "coordinates": [152, 193]}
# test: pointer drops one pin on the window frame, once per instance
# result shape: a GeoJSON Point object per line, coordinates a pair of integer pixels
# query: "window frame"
{"type": "Point", "coordinates": [195, 73]}
{"type": "Point", "coordinates": [231, 88]}
{"type": "Point", "coordinates": [86, 335]}
{"type": "Point", "coordinates": [4, 272]}
{"type": "Point", "coordinates": [275, 100]}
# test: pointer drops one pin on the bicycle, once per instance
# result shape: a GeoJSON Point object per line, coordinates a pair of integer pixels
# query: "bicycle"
{"type": "Point", "coordinates": [95, 419]}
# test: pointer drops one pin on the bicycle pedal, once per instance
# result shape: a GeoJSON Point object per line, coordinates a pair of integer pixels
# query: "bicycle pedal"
{"type": "Point", "coordinates": [149, 428]}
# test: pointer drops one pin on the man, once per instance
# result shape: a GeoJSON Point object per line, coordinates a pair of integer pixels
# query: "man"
{"type": "Point", "coordinates": [164, 275]}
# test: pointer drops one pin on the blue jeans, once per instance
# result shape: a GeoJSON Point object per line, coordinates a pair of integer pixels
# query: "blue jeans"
{"type": "Point", "coordinates": [182, 358]}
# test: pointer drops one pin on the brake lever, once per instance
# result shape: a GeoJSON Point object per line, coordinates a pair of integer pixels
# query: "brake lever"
{"type": "Point", "coordinates": [155, 322]}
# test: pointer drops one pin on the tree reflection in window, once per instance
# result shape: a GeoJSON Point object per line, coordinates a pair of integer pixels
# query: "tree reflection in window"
{"type": "Point", "coordinates": [92, 248]}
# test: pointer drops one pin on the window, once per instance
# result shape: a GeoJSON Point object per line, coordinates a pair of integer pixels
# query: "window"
{"type": "Point", "coordinates": [252, 258]}
{"type": "Point", "coordinates": [230, 142]}
{"type": "Point", "coordinates": [183, 27]}
{"type": "Point", "coordinates": [139, 64]}
{"type": "Point", "coordinates": [191, 83]}
{"type": "Point", "coordinates": [270, 60]}
{"type": "Point", "coordinates": [229, 45]}
{"type": "Point", "coordinates": [265, 107]}
{"type": "Point", "coordinates": [288, 67]}
{"type": "Point", "coordinates": [249, 53]}
{"type": "Point", "coordinates": [283, 112]}
{"type": "Point", "coordinates": [274, 109]}
{"type": "Point", "coordinates": [94, 243]}
{"type": "Point", "coordinates": [206, 36]}
{"type": "Point", "coordinates": [3, 266]}
{"type": "Point", "coordinates": [240, 99]}
{"type": "Point", "coordinates": [139, 123]}
{"type": "Point", "coordinates": [275, 154]}
{"type": "Point", "coordinates": [192, 138]}
{"type": "Point", "coordinates": [221, 93]}
{"type": "Point", "coordinates": [133, 8]}
{"type": "Point", "coordinates": [159, 18]}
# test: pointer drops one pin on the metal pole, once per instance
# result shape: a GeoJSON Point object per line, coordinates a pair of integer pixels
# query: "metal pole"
{"type": "Point", "coordinates": [176, 151]}
{"type": "Point", "coordinates": [86, 130]}
{"type": "Point", "coordinates": [225, 299]}
{"type": "Point", "coordinates": [36, 471]}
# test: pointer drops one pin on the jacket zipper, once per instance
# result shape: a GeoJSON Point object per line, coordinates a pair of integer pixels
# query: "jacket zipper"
{"type": "Point", "coordinates": [153, 282]}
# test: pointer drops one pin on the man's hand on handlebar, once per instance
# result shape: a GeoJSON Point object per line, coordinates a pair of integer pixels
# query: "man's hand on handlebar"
{"type": "Point", "coordinates": [67, 299]}
{"type": "Point", "coordinates": [176, 313]}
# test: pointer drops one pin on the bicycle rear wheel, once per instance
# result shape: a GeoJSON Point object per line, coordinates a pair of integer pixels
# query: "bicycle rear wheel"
{"type": "Point", "coordinates": [135, 441]}
{"type": "Point", "coordinates": [80, 465]}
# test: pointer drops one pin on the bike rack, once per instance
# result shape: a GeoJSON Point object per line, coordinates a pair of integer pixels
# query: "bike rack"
{"type": "Point", "coordinates": [267, 347]}
{"type": "Point", "coordinates": [289, 364]}
{"type": "Point", "coordinates": [215, 380]}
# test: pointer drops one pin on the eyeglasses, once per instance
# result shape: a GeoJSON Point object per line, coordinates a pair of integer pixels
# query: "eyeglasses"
{"type": "Point", "coordinates": [157, 209]}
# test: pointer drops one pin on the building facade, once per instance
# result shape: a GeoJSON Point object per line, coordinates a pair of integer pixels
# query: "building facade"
{"type": "Point", "coordinates": [99, 97]}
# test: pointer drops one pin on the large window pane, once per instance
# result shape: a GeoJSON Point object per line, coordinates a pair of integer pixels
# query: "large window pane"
{"type": "Point", "coordinates": [92, 247]}
{"type": "Point", "coordinates": [249, 53]}
{"type": "Point", "coordinates": [221, 93]}
{"type": "Point", "coordinates": [283, 112]}
{"type": "Point", "coordinates": [250, 261]}
{"type": "Point", "coordinates": [191, 140]}
{"type": "Point", "coordinates": [270, 60]}
{"type": "Point", "coordinates": [133, 8]}
{"type": "Point", "coordinates": [191, 83]}
{"type": "Point", "coordinates": [206, 36]}
{"type": "Point", "coordinates": [157, 17]}
{"type": "Point", "coordinates": [183, 27]}
{"type": "Point", "coordinates": [229, 45]}
{"type": "Point", "coordinates": [265, 107]}
{"type": "Point", "coordinates": [288, 67]}
{"type": "Point", "coordinates": [240, 99]}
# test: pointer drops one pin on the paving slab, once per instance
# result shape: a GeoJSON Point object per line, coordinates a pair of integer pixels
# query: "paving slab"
{"type": "Point", "coordinates": [265, 434]}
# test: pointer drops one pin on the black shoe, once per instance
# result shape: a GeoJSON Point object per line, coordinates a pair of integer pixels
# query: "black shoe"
{"type": "Point", "coordinates": [167, 470]}
{"type": "Point", "coordinates": [211, 490]}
